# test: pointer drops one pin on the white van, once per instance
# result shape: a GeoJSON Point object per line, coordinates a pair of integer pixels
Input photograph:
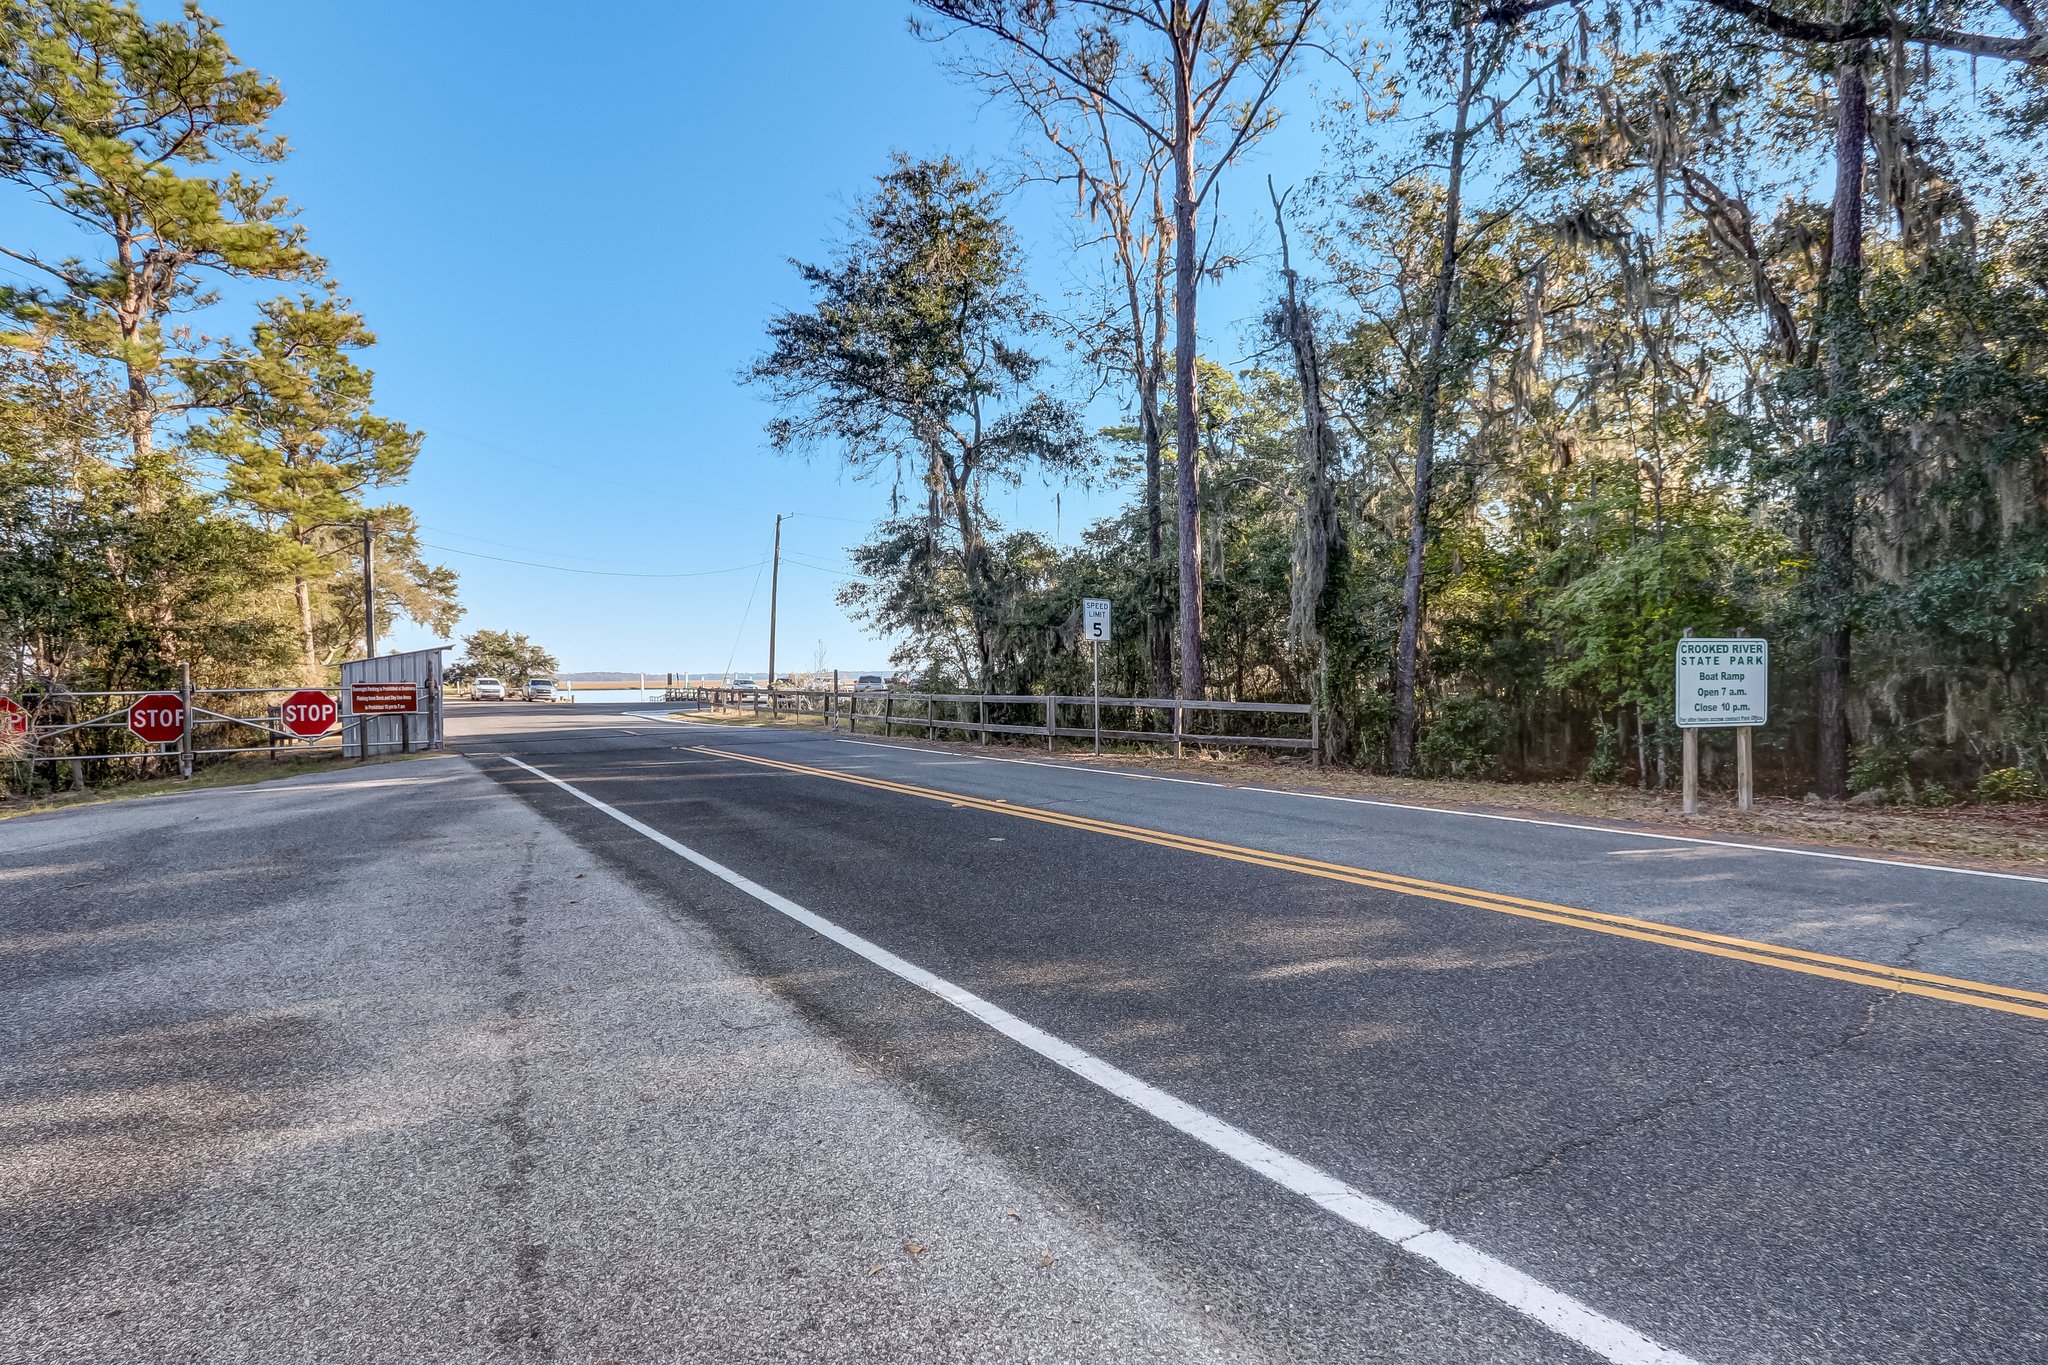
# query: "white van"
{"type": "Point", "coordinates": [540, 689]}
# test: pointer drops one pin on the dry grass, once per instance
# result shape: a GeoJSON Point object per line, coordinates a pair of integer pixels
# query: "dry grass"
{"type": "Point", "coordinates": [2007, 837]}
{"type": "Point", "coordinates": [227, 772]}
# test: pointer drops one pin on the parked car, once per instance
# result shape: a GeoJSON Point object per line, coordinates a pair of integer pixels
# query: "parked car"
{"type": "Point", "coordinates": [745, 685]}
{"type": "Point", "coordinates": [870, 682]}
{"type": "Point", "coordinates": [487, 689]}
{"type": "Point", "coordinates": [540, 689]}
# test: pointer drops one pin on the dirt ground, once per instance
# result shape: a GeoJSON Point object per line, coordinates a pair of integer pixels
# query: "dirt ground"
{"type": "Point", "coordinates": [222, 772]}
{"type": "Point", "coordinates": [2008, 837]}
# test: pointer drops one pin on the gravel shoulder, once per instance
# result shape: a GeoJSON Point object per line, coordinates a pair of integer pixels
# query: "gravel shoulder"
{"type": "Point", "coordinates": [380, 1066]}
{"type": "Point", "coordinates": [2011, 837]}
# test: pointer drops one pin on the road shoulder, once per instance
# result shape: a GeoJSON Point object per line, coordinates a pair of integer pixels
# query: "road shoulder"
{"type": "Point", "coordinates": [382, 1066]}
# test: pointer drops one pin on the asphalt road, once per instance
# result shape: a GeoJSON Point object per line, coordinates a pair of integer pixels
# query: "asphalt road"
{"type": "Point", "coordinates": [639, 1041]}
{"type": "Point", "coordinates": [1731, 1156]}
{"type": "Point", "coordinates": [379, 1066]}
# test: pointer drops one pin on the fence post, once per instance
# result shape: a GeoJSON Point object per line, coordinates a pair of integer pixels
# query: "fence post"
{"type": "Point", "coordinates": [983, 737]}
{"type": "Point", "coordinates": [1177, 713]}
{"type": "Point", "coordinates": [1745, 759]}
{"type": "Point", "coordinates": [185, 739]}
{"type": "Point", "coordinates": [888, 714]}
{"type": "Point", "coordinates": [405, 732]}
{"type": "Point", "coordinates": [1315, 735]}
{"type": "Point", "coordinates": [1095, 656]}
{"type": "Point", "coordinates": [1049, 699]}
{"type": "Point", "coordinates": [1745, 766]}
{"type": "Point", "coordinates": [1689, 798]}
{"type": "Point", "coordinates": [1690, 784]}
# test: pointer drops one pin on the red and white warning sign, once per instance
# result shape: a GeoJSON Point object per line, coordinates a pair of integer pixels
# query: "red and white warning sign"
{"type": "Point", "coordinates": [13, 720]}
{"type": "Point", "coordinates": [383, 698]}
{"type": "Point", "coordinates": [158, 718]}
{"type": "Point", "coordinates": [308, 713]}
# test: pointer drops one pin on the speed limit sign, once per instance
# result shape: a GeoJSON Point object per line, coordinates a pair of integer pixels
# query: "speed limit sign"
{"type": "Point", "coordinates": [1095, 619]}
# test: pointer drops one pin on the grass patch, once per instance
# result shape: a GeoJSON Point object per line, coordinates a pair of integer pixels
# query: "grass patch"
{"type": "Point", "coordinates": [2011, 837]}
{"type": "Point", "coordinates": [228, 772]}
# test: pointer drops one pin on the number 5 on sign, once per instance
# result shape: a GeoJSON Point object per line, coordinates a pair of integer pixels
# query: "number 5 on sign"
{"type": "Point", "coordinates": [1095, 619]}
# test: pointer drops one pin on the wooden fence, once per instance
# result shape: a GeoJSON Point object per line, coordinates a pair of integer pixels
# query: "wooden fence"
{"type": "Point", "coordinates": [1119, 720]}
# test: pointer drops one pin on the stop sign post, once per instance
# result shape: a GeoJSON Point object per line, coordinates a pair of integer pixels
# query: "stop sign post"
{"type": "Point", "coordinates": [308, 713]}
{"type": "Point", "coordinates": [157, 718]}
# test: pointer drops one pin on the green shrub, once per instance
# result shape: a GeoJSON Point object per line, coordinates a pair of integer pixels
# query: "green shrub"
{"type": "Point", "coordinates": [2009, 784]}
{"type": "Point", "coordinates": [1935, 795]}
{"type": "Point", "coordinates": [1881, 766]}
{"type": "Point", "coordinates": [1606, 762]}
{"type": "Point", "coordinates": [1464, 739]}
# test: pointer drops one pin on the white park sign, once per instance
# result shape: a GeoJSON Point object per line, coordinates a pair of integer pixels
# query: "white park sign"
{"type": "Point", "coordinates": [1723, 682]}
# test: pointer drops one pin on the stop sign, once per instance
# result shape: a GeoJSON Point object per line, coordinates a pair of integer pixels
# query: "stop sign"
{"type": "Point", "coordinates": [308, 713]}
{"type": "Point", "coordinates": [158, 717]}
{"type": "Point", "coordinates": [13, 720]}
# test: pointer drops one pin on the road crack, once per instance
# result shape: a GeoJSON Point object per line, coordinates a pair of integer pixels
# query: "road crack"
{"type": "Point", "coordinates": [522, 1327]}
{"type": "Point", "coordinates": [1689, 1095]}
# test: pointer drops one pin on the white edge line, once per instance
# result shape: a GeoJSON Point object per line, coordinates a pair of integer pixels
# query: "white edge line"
{"type": "Point", "coordinates": [1560, 1312]}
{"type": "Point", "coordinates": [1469, 814]}
{"type": "Point", "coordinates": [671, 720]}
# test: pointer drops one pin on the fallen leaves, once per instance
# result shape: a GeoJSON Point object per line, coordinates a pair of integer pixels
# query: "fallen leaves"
{"type": "Point", "coordinates": [913, 1249]}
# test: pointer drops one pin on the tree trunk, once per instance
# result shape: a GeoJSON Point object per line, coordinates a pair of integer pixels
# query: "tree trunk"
{"type": "Point", "coordinates": [1320, 546]}
{"type": "Point", "coordinates": [1161, 633]}
{"type": "Point", "coordinates": [974, 566]}
{"type": "Point", "coordinates": [1187, 438]}
{"type": "Point", "coordinates": [1158, 629]}
{"type": "Point", "coordinates": [1835, 500]}
{"type": "Point", "coordinates": [1425, 428]}
{"type": "Point", "coordinates": [309, 646]}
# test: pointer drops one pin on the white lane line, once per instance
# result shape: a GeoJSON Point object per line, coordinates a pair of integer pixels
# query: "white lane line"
{"type": "Point", "coordinates": [1478, 815]}
{"type": "Point", "coordinates": [1555, 1309]}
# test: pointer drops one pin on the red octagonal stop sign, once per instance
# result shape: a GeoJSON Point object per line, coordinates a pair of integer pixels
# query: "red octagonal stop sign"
{"type": "Point", "coordinates": [158, 717]}
{"type": "Point", "coordinates": [308, 713]}
{"type": "Point", "coordinates": [13, 720]}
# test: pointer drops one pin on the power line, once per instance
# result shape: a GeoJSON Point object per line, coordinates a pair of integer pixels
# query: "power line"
{"type": "Point", "coordinates": [819, 568]}
{"type": "Point", "coordinates": [601, 573]}
{"type": "Point", "coordinates": [508, 545]}
{"type": "Point", "coordinates": [744, 615]}
{"type": "Point", "coordinates": [622, 483]}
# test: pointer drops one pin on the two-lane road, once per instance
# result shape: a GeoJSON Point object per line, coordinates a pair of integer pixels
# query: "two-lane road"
{"type": "Point", "coordinates": [1379, 1083]}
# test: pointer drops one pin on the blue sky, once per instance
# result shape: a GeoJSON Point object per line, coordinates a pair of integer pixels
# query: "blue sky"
{"type": "Point", "coordinates": [568, 225]}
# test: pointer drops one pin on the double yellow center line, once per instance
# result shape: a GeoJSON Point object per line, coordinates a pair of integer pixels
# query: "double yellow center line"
{"type": "Point", "coordinates": [2006, 999]}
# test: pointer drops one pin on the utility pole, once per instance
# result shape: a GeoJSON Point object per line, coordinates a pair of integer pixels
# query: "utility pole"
{"type": "Point", "coordinates": [369, 592]}
{"type": "Point", "coordinates": [774, 586]}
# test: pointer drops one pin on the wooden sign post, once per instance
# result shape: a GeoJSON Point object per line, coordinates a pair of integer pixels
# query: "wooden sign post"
{"type": "Point", "coordinates": [1722, 684]}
